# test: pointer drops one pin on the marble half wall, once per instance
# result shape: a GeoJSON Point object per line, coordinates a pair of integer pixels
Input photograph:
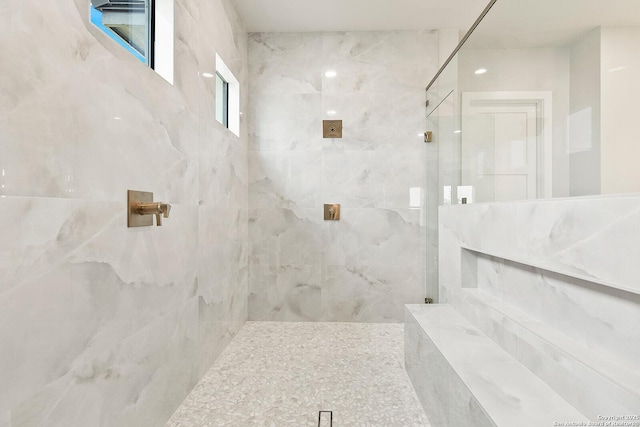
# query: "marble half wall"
{"type": "Point", "coordinates": [102, 325]}
{"type": "Point", "coordinates": [555, 284]}
{"type": "Point", "coordinates": [366, 266]}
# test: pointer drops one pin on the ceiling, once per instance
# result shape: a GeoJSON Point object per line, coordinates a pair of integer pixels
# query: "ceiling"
{"type": "Point", "coordinates": [511, 23]}
{"type": "Point", "coordinates": [357, 15]}
{"type": "Point", "coordinates": [544, 23]}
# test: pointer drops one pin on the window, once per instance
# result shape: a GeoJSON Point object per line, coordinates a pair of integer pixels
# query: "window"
{"type": "Point", "coordinates": [222, 100]}
{"type": "Point", "coordinates": [130, 23]}
{"type": "Point", "coordinates": [142, 27]}
{"type": "Point", "coordinates": [227, 97]}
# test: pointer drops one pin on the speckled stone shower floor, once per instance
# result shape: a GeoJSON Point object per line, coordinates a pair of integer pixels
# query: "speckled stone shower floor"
{"type": "Point", "coordinates": [282, 374]}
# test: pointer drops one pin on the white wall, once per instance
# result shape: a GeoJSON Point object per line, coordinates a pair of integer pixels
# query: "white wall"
{"type": "Point", "coordinates": [541, 69]}
{"type": "Point", "coordinates": [603, 88]}
{"type": "Point", "coordinates": [620, 74]}
{"type": "Point", "coordinates": [101, 325]}
{"type": "Point", "coordinates": [371, 262]}
{"type": "Point", "coordinates": [164, 39]}
{"type": "Point", "coordinates": [595, 88]}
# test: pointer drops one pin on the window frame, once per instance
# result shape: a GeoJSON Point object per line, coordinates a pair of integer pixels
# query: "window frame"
{"type": "Point", "coordinates": [232, 98]}
{"type": "Point", "coordinates": [225, 100]}
{"type": "Point", "coordinates": [149, 56]}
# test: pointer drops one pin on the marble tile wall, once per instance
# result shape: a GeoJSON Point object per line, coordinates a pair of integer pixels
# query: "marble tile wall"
{"type": "Point", "coordinates": [589, 238]}
{"type": "Point", "coordinates": [462, 378]}
{"type": "Point", "coordinates": [101, 325]}
{"type": "Point", "coordinates": [554, 283]}
{"type": "Point", "coordinates": [371, 262]}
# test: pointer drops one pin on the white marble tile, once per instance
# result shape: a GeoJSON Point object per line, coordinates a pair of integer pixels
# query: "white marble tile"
{"type": "Point", "coordinates": [465, 409]}
{"type": "Point", "coordinates": [604, 317]}
{"type": "Point", "coordinates": [375, 121]}
{"type": "Point", "coordinates": [219, 321]}
{"type": "Point", "coordinates": [127, 318]}
{"type": "Point", "coordinates": [353, 178]}
{"type": "Point", "coordinates": [105, 288]}
{"type": "Point", "coordinates": [428, 371]}
{"type": "Point", "coordinates": [75, 148]}
{"type": "Point", "coordinates": [373, 237]}
{"type": "Point", "coordinates": [561, 274]}
{"type": "Point", "coordinates": [399, 183]}
{"type": "Point", "coordinates": [573, 239]}
{"type": "Point", "coordinates": [378, 93]}
{"type": "Point", "coordinates": [589, 381]}
{"type": "Point", "coordinates": [30, 247]}
{"type": "Point", "coordinates": [373, 293]}
{"type": "Point", "coordinates": [285, 63]}
{"type": "Point", "coordinates": [285, 293]}
{"type": "Point", "coordinates": [386, 61]}
{"type": "Point", "coordinates": [580, 237]}
{"type": "Point", "coordinates": [71, 152]}
{"type": "Point", "coordinates": [285, 122]}
{"type": "Point", "coordinates": [281, 236]}
{"type": "Point", "coordinates": [193, 49]}
{"type": "Point", "coordinates": [285, 373]}
{"type": "Point", "coordinates": [583, 387]}
{"type": "Point", "coordinates": [223, 168]}
{"type": "Point", "coordinates": [381, 179]}
{"type": "Point", "coordinates": [286, 179]}
{"type": "Point", "coordinates": [294, 247]}
{"type": "Point", "coordinates": [222, 250]}
{"type": "Point", "coordinates": [114, 385]}
{"type": "Point", "coordinates": [484, 380]}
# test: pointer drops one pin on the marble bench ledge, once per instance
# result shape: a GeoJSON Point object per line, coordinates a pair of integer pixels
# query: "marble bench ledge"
{"type": "Point", "coordinates": [484, 384]}
{"type": "Point", "coordinates": [593, 383]}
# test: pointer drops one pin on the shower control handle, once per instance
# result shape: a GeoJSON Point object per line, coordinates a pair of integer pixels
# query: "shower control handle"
{"type": "Point", "coordinates": [141, 209]}
{"type": "Point", "coordinates": [158, 209]}
{"type": "Point", "coordinates": [332, 212]}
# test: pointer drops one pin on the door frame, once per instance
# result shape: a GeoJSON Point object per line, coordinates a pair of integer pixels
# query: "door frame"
{"type": "Point", "coordinates": [544, 130]}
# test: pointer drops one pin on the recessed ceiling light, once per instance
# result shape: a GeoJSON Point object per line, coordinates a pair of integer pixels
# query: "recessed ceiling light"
{"type": "Point", "coordinates": [480, 71]}
{"type": "Point", "coordinates": [208, 75]}
{"type": "Point", "coordinates": [331, 112]}
{"type": "Point", "coordinates": [330, 73]}
{"type": "Point", "coordinates": [457, 131]}
{"type": "Point", "coordinates": [117, 118]}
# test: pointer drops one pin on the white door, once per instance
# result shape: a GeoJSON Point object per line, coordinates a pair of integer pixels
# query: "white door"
{"type": "Point", "coordinates": [505, 137]}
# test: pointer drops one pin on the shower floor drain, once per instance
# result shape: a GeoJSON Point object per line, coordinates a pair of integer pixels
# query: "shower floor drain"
{"type": "Point", "coordinates": [325, 419]}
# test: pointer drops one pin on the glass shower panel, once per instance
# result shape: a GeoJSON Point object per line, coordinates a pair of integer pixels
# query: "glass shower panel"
{"type": "Point", "coordinates": [432, 203]}
{"type": "Point", "coordinates": [442, 178]}
{"type": "Point", "coordinates": [449, 150]}
{"type": "Point", "coordinates": [477, 159]}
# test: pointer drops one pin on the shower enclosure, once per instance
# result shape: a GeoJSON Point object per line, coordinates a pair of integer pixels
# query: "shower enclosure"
{"type": "Point", "coordinates": [526, 108]}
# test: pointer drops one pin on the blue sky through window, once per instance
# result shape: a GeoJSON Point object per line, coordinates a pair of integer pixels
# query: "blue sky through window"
{"type": "Point", "coordinates": [96, 19]}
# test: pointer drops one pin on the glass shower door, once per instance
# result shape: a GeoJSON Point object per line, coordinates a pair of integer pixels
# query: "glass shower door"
{"type": "Point", "coordinates": [443, 174]}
